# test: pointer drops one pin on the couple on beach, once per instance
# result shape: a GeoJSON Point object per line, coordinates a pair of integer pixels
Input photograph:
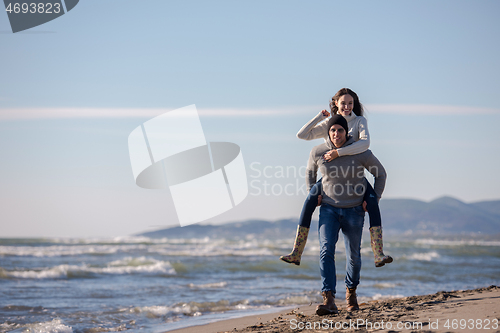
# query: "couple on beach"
{"type": "Point", "coordinates": [343, 194]}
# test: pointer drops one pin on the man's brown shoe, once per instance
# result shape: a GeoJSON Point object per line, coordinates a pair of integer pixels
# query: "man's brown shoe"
{"type": "Point", "coordinates": [352, 301]}
{"type": "Point", "coordinates": [328, 306]}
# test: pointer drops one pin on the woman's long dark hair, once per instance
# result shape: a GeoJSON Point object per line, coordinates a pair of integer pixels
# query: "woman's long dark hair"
{"type": "Point", "coordinates": [358, 107]}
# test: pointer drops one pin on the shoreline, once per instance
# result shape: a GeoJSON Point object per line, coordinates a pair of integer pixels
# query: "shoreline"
{"type": "Point", "coordinates": [454, 311]}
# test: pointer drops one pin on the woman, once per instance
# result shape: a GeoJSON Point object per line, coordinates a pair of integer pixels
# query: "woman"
{"type": "Point", "coordinates": [345, 103]}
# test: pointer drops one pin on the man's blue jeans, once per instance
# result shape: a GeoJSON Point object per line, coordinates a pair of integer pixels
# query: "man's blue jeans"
{"type": "Point", "coordinates": [350, 221]}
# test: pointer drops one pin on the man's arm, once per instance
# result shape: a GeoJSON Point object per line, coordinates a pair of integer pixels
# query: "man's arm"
{"type": "Point", "coordinates": [373, 165]}
{"type": "Point", "coordinates": [311, 170]}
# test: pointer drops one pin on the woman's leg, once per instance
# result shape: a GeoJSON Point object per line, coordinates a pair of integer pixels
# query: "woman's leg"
{"type": "Point", "coordinates": [375, 227]}
{"type": "Point", "coordinates": [310, 205]}
{"type": "Point", "coordinates": [304, 225]}
{"type": "Point", "coordinates": [372, 206]}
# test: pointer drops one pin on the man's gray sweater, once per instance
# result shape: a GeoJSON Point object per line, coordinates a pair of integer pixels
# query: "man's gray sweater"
{"type": "Point", "coordinates": [343, 181]}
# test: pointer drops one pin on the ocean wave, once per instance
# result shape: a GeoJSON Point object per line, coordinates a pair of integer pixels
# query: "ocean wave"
{"type": "Point", "coordinates": [54, 326]}
{"type": "Point", "coordinates": [163, 311]}
{"type": "Point", "coordinates": [436, 242]}
{"type": "Point", "coordinates": [423, 256]}
{"type": "Point", "coordinates": [222, 284]}
{"type": "Point", "coordinates": [67, 250]}
{"type": "Point", "coordinates": [196, 308]}
{"type": "Point", "coordinates": [141, 265]}
{"type": "Point", "coordinates": [31, 309]}
{"type": "Point", "coordinates": [125, 240]}
{"type": "Point", "coordinates": [96, 241]}
{"type": "Point", "coordinates": [384, 285]}
{"type": "Point", "coordinates": [365, 250]}
{"type": "Point", "coordinates": [185, 247]}
{"type": "Point", "coordinates": [151, 311]}
{"type": "Point", "coordinates": [294, 300]}
{"type": "Point", "coordinates": [219, 247]}
{"type": "Point", "coordinates": [299, 277]}
{"type": "Point", "coordinates": [189, 247]}
{"type": "Point", "coordinates": [191, 309]}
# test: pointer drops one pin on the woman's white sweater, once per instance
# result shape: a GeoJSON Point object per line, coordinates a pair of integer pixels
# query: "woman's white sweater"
{"type": "Point", "coordinates": [316, 128]}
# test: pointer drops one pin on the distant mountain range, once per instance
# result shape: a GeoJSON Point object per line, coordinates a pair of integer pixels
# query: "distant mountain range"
{"type": "Point", "coordinates": [443, 216]}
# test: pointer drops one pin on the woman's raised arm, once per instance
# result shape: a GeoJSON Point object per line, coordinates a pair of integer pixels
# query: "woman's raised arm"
{"type": "Point", "coordinates": [315, 128]}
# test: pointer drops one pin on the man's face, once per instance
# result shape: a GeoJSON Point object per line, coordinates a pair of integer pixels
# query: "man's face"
{"type": "Point", "coordinates": [337, 135]}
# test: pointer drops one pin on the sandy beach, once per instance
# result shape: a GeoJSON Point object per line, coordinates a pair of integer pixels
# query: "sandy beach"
{"type": "Point", "coordinates": [475, 310]}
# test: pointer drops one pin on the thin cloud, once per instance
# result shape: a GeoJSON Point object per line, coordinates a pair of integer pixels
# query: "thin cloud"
{"type": "Point", "coordinates": [429, 109]}
{"type": "Point", "coordinates": [245, 112]}
{"type": "Point", "coordinates": [70, 113]}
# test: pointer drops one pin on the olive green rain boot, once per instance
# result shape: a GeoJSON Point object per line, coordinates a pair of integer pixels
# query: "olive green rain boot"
{"type": "Point", "coordinates": [377, 247]}
{"type": "Point", "coordinates": [298, 247]}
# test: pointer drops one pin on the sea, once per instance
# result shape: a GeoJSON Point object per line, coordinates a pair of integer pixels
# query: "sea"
{"type": "Point", "coordinates": [157, 285]}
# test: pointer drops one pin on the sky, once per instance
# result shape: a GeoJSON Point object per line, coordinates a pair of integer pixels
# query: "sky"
{"type": "Point", "coordinates": [73, 89]}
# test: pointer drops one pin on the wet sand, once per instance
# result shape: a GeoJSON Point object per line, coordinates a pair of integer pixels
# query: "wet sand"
{"type": "Point", "coordinates": [475, 310]}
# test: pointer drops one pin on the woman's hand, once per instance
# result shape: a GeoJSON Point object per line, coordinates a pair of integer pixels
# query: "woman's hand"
{"type": "Point", "coordinates": [331, 155]}
{"type": "Point", "coordinates": [319, 199]}
{"type": "Point", "coordinates": [325, 113]}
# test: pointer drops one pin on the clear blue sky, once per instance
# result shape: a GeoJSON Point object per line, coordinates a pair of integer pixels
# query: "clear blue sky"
{"type": "Point", "coordinates": [73, 89]}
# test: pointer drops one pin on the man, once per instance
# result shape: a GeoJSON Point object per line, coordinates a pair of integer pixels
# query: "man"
{"type": "Point", "coordinates": [341, 209]}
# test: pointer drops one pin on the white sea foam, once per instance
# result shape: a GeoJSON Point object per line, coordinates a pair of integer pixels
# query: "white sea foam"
{"type": "Point", "coordinates": [424, 256]}
{"type": "Point", "coordinates": [8, 327]}
{"type": "Point", "coordinates": [192, 308]}
{"type": "Point", "coordinates": [126, 266]}
{"type": "Point", "coordinates": [66, 250]}
{"type": "Point", "coordinates": [185, 309]}
{"type": "Point", "coordinates": [113, 240]}
{"type": "Point", "coordinates": [152, 267]}
{"type": "Point", "coordinates": [243, 306]}
{"type": "Point", "coordinates": [384, 285]}
{"type": "Point", "coordinates": [54, 326]}
{"type": "Point", "coordinates": [152, 311]}
{"type": "Point", "coordinates": [157, 311]}
{"type": "Point", "coordinates": [365, 250]}
{"type": "Point", "coordinates": [219, 247]}
{"type": "Point", "coordinates": [48, 273]}
{"type": "Point", "coordinates": [293, 300]}
{"type": "Point", "coordinates": [436, 242]}
{"type": "Point", "coordinates": [222, 284]}
{"type": "Point", "coordinates": [378, 297]}
{"type": "Point", "coordinates": [180, 247]}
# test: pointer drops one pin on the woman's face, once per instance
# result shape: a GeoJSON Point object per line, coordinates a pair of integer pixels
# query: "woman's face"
{"type": "Point", "coordinates": [345, 103]}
